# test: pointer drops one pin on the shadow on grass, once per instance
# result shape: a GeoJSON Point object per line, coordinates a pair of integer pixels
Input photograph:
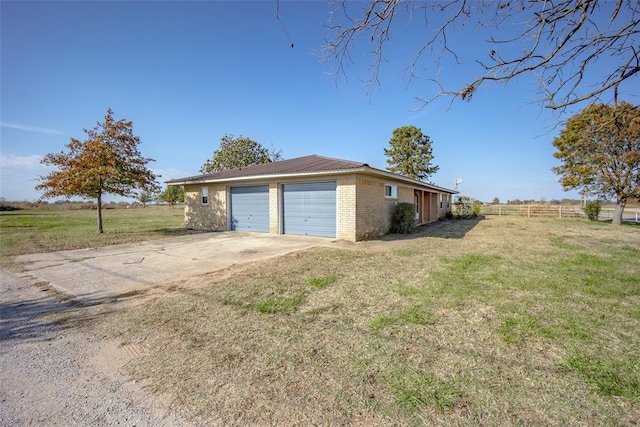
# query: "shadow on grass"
{"type": "Point", "coordinates": [444, 229]}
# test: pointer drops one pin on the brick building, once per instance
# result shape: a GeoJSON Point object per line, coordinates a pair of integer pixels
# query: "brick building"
{"type": "Point", "coordinates": [311, 195]}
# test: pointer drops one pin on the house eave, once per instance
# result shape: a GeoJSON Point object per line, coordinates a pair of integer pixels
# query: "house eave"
{"type": "Point", "coordinates": [326, 173]}
{"type": "Point", "coordinates": [253, 178]}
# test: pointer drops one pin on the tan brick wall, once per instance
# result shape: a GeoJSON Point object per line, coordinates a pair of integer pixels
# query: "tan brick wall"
{"type": "Point", "coordinates": [373, 210]}
{"type": "Point", "coordinates": [346, 208]}
{"type": "Point", "coordinates": [274, 208]}
{"type": "Point", "coordinates": [212, 216]}
{"type": "Point", "coordinates": [405, 195]}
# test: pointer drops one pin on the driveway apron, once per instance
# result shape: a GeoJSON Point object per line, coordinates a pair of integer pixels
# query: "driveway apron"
{"type": "Point", "coordinates": [97, 274]}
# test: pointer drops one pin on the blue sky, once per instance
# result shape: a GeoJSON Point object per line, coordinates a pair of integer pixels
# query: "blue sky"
{"type": "Point", "coordinates": [186, 73]}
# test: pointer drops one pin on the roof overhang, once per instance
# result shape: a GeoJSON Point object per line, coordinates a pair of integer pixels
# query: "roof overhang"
{"type": "Point", "coordinates": [367, 170]}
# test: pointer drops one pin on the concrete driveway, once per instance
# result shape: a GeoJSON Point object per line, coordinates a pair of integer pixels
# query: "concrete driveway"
{"type": "Point", "coordinates": [93, 275]}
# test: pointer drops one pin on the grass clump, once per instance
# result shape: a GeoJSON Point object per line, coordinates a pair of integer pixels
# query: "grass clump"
{"type": "Point", "coordinates": [609, 376]}
{"type": "Point", "coordinates": [415, 389]}
{"type": "Point", "coordinates": [382, 322]}
{"type": "Point", "coordinates": [520, 329]}
{"type": "Point", "coordinates": [275, 304]}
{"type": "Point", "coordinates": [417, 315]}
{"type": "Point", "coordinates": [322, 282]}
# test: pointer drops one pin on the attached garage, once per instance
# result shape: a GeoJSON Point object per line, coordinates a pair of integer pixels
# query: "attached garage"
{"type": "Point", "coordinates": [250, 208]}
{"type": "Point", "coordinates": [309, 209]}
{"type": "Point", "coordinates": [311, 195]}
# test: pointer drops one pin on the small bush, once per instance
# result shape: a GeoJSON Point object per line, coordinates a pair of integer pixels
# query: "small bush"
{"type": "Point", "coordinates": [592, 209]}
{"type": "Point", "coordinates": [476, 207]}
{"type": "Point", "coordinates": [467, 207]}
{"type": "Point", "coordinates": [403, 220]}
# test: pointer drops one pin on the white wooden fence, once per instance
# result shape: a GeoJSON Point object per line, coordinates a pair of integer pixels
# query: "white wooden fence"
{"type": "Point", "coordinates": [549, 211]}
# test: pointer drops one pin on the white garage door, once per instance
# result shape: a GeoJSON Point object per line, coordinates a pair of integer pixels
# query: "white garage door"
{"type": "Point", "coordinates": [250, 208]}
{"type": "Point", "coordinates": [310, 209]}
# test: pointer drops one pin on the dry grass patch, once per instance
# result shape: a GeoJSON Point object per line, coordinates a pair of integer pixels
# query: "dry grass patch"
{"type": "Point", "coordinates": [496, 322]}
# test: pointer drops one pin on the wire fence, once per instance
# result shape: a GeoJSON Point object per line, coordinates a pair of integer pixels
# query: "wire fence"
{"type": "Point", "coordinates": [558, 211]}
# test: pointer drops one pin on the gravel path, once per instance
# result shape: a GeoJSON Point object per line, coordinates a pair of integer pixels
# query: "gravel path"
{"type": "Point", "coordinates": [55, 376]}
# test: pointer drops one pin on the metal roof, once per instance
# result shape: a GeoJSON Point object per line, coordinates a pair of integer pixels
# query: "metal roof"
{"type": "Point", "coordinates": [312, 163]}
{"type": "Point", "coordinates": [307, 165]}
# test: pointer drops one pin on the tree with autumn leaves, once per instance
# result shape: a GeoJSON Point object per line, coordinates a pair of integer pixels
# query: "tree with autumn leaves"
{"type": "Point", "coordinates": [600, 153]}
{"type": "Point", "coordinates": [107, 162]}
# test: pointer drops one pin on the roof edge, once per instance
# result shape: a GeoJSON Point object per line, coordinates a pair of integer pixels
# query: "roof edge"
{"type": "Point", "coordinates": [364, 168]}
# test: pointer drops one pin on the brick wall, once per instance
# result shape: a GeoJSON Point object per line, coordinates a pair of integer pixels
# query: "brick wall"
{"type": "Point", "coordinates": [373, 209]}
{"type": "Point", "coordinates": [212, 216]}
{"type": "Point", "coordinates": [274, 208]}
{"type": "Point", "coordinates": [346, 208]}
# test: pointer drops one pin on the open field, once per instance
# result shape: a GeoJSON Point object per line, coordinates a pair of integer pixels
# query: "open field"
{"type": "Point", "coordinates": [31, 231]}
{"type": "Point", "coordinates": [500, 321]}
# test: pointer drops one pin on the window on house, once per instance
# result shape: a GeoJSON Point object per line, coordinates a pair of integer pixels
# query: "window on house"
{"type": "Point", "coordinates": [440, 200]}
{"type": "Point", "coordinates": [391, 191]}
{"type": "Point", "coordinates": [205, 195]}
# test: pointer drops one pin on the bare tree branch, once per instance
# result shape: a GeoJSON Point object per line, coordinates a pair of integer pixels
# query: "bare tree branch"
{"type": "Point", "coordinates": [580, 50]}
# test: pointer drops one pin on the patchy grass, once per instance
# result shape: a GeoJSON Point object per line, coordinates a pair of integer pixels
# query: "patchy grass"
{"type": "Point", "coordinates": [415, 389]}
{"type": "Point", "coordinates": [502, 321]}
{"type": "Point", "coordinates": [278, 304]}
{"type": "Point", "coordinates": [322, 282]}
{"type": "Point", "coordinates": [31, 231]}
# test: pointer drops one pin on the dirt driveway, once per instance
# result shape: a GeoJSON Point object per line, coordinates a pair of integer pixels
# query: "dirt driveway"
{"type": "Point", "coordinates": [95, 275]}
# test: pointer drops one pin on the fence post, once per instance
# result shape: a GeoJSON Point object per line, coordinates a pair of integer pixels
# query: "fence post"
{"type": "Point", "coordinates": [500, 212]}
{"type": "Point", "coordinates": [528, 211]}
{"type": "Point", "coordinates": [560, 211]}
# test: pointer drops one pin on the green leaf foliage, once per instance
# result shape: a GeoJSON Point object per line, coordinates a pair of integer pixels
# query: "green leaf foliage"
{"type": "Point", "coordinates": [410, 153]}
{"type": "Point", "coordinates": [592, 209]}
{"type": "Point", "coordinates": [403, 220]}
{"type": "Point", "coordinates": [236, 153]}
{"type": "Point", "coordinates": [172, 194]}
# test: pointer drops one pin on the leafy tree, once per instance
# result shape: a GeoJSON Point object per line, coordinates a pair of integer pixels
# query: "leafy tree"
{"type": "Point", "coordinates": [172, 194]}
{"type": "Point", "coordinates": [410, 153]}
{"type": "Point", "coordinates": [147, 196]}
{"type": "Point", "coordinates": [240, 152]}
{"type": "Point", "coordinates": [578, 49]}
{"type": "Point", "coordinates": [107, 162]}
{"type": "Point", "coordinates": [496, 201]}
{"type": "Point", "coordinates": [600, 152]}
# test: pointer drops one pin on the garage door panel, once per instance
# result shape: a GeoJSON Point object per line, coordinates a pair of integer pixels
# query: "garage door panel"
{"type": "Point", "coordinates": [310, 209]}
{"type": "Point", "coordinates": [250, 208]}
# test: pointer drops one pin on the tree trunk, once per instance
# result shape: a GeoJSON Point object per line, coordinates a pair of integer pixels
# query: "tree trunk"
{"type": "Point", "coordinates": [99, 213]}
{"type": "Point", "coordinates": [617, 213]}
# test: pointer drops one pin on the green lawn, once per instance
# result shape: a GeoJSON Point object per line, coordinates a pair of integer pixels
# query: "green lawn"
{"type": "Point", "coordinates": [30, 231]}
{"type": "Point", "coordinates": [502, 321]}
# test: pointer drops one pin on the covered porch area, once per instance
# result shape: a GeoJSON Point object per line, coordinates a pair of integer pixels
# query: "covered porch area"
{"type": "Point", "coordinates": [430, 205]}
